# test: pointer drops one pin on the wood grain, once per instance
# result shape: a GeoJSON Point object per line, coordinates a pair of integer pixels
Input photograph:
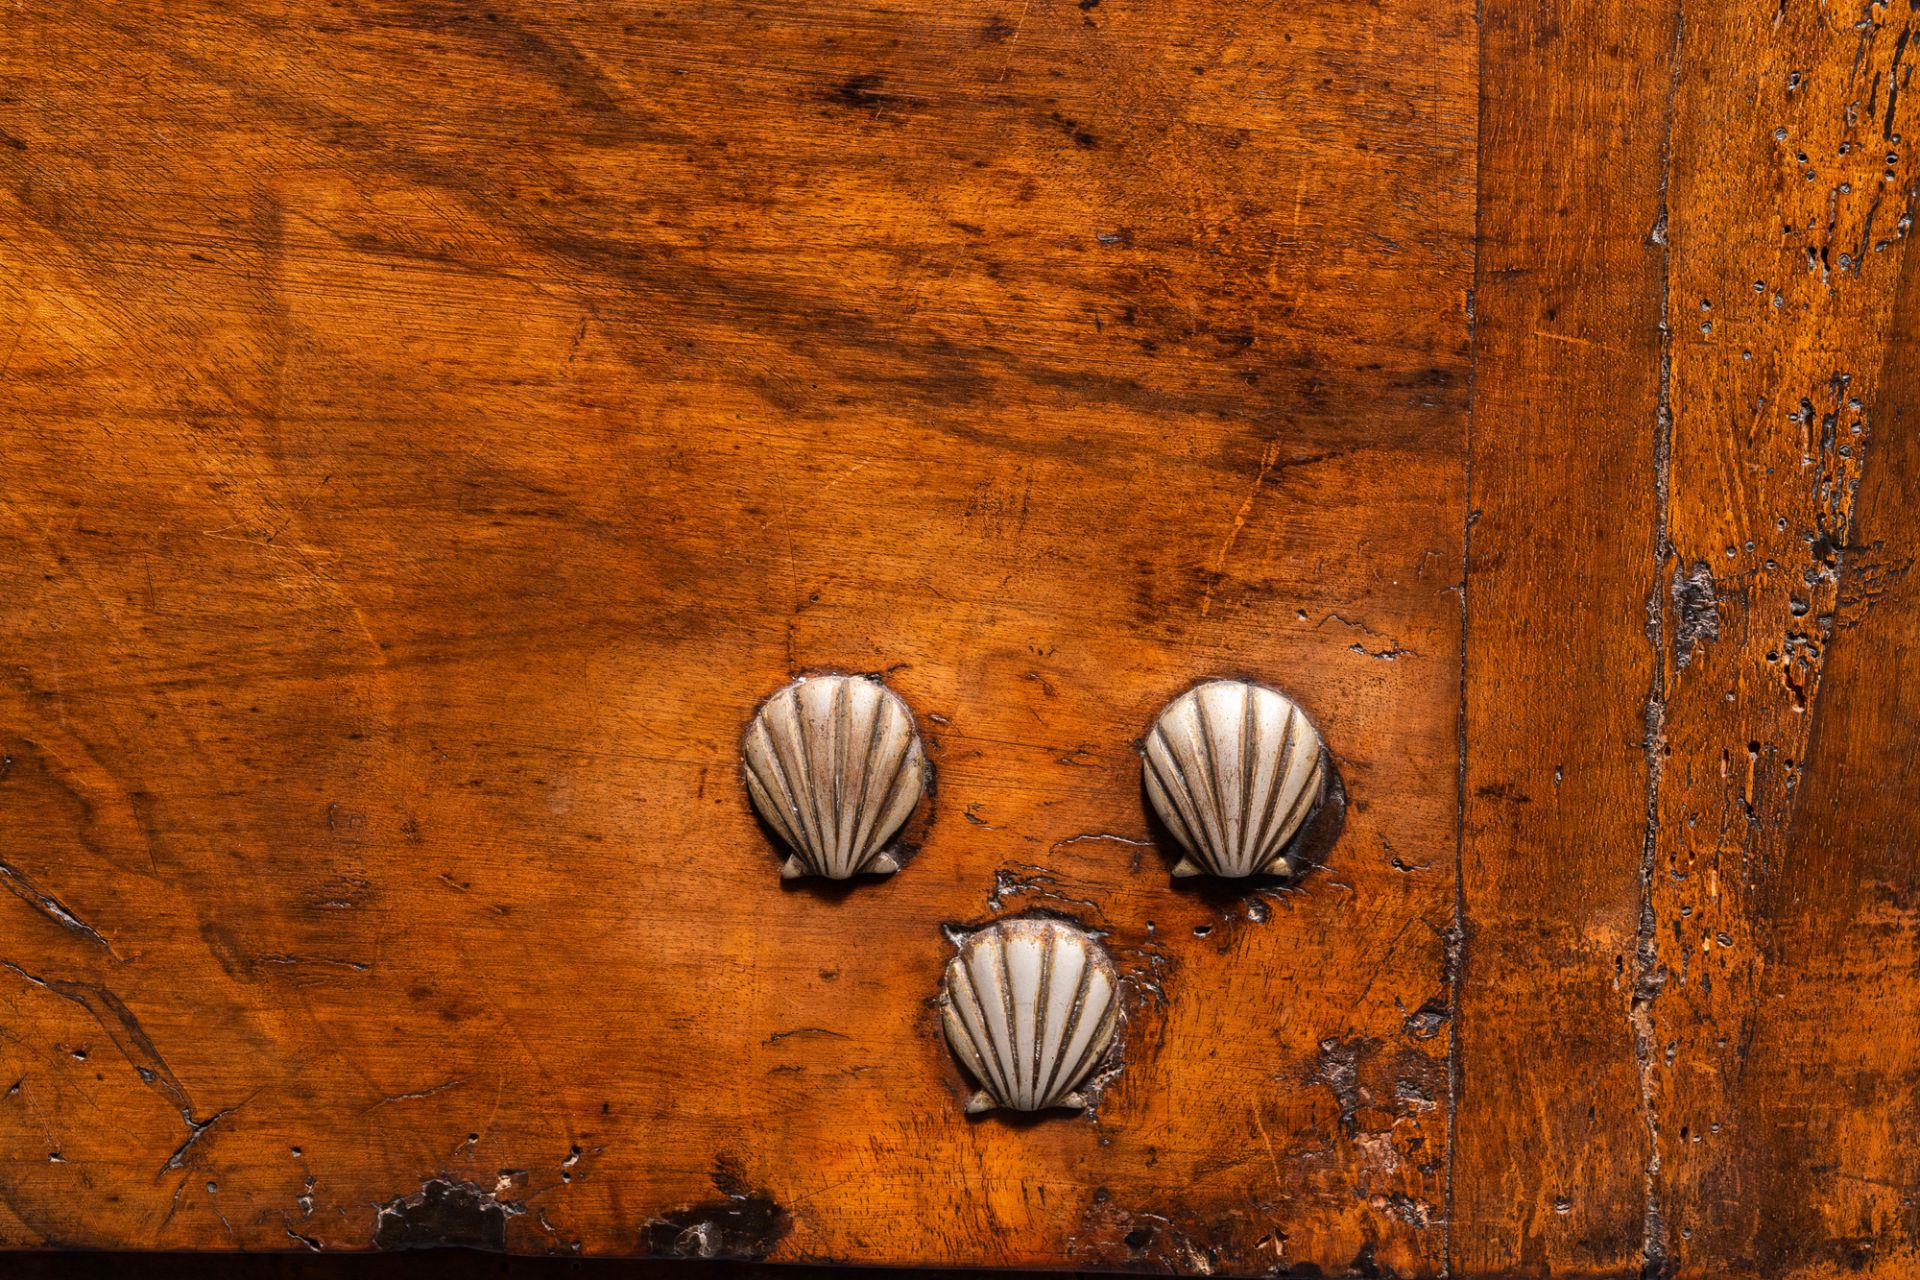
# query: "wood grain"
{"type": "Point", "coordinates": [1684, 1021]}
{"type": "Point", "coordinates": [1551, 1147]}
{"type": "Point", "coordinates": [1786, 930]}
{"type": "Point", "coordinates": [443, 1264]}
{"type": "Point", "coordinates": [433, 428]}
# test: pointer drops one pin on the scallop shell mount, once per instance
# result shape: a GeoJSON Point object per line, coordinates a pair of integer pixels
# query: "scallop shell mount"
{"type": "Point", "coordinates": [834, 765]}
{"type": "Point", "coordinates": [1234, 769]}
{"type": "Point", "coordinates": [1030, 1009]}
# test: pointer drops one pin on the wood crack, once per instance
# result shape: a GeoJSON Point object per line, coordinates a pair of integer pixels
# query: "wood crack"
{"type": "Point", "coordinates": [1648, 975]}
{"type": "Point", "coordinates": [17, 883]}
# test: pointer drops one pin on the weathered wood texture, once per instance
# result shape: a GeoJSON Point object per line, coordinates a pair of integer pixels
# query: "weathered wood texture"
{"type": "Point", "coordinates": [1549, 1149]}
{"type": "Point", "coordinates": [1784, 932]}
{"type": "Point", "coordinates": [1686, 1029]}
{"type": "Point", "coordinates": [441, 1264]}
{"type": "Point", "coordinates": [432, 428]}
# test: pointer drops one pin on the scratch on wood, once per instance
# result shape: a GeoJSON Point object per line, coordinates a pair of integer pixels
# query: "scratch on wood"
{"type": "Point", "coordinates": [196, 1129]}
{"type": "Point", "coordinates": [822, 1032]}
{"type": "Point", "coordinates": [1268, 456]}
{"type": "Point", "coordinates": [122, 1028]}
{"type": "Point", "coordinates": [419, 1093]}
{"type": "Point", "coordinates": [49, 906]}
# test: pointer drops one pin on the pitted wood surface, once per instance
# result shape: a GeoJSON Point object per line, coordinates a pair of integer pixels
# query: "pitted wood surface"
{"type": "Point", "coordinates": [1685, 1035]}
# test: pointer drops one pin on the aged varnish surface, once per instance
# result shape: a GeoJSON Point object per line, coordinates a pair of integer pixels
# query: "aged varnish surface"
{"type": "Point", "coordinates": [431, 430]}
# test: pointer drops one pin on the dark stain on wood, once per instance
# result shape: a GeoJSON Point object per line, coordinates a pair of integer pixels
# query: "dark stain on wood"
{"type": "Point", "coordinates": [444, 1214]}
{"type": "Point", "coordinates": [744, 1223]}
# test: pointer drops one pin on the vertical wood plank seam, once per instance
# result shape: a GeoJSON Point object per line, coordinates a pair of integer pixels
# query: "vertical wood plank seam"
{"type": "Point", "coordinates": [1648, 976]}
{"type": "Point", "coordinates": [1456, 940]}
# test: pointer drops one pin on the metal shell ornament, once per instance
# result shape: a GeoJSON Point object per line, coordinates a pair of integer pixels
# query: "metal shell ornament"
{"type": "Point", "coordinates": [1234, 769]}
{"type": "Point", "coordinates": [834, 765]}
{"type": "Point", "coordinates": [1030, 1009]}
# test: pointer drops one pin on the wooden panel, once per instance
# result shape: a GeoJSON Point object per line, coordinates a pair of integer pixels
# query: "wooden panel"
{"type": "Point", "coordinates": [1787, 930]}
{"type": "Point", "coordinates": [432, 428]}
{"type": "Point", "coordinates": [442, 1264]}
{"type": "Point", "coordinates": [1690, 958]}
{"type": "Point", "coordinates": [1551, 1148]}
{"type": "Point", "coordinates": [1833, 1069]}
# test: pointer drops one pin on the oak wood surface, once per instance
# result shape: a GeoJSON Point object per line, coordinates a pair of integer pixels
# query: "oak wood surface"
{"type": "Point", "coordinates": [430, 429]}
